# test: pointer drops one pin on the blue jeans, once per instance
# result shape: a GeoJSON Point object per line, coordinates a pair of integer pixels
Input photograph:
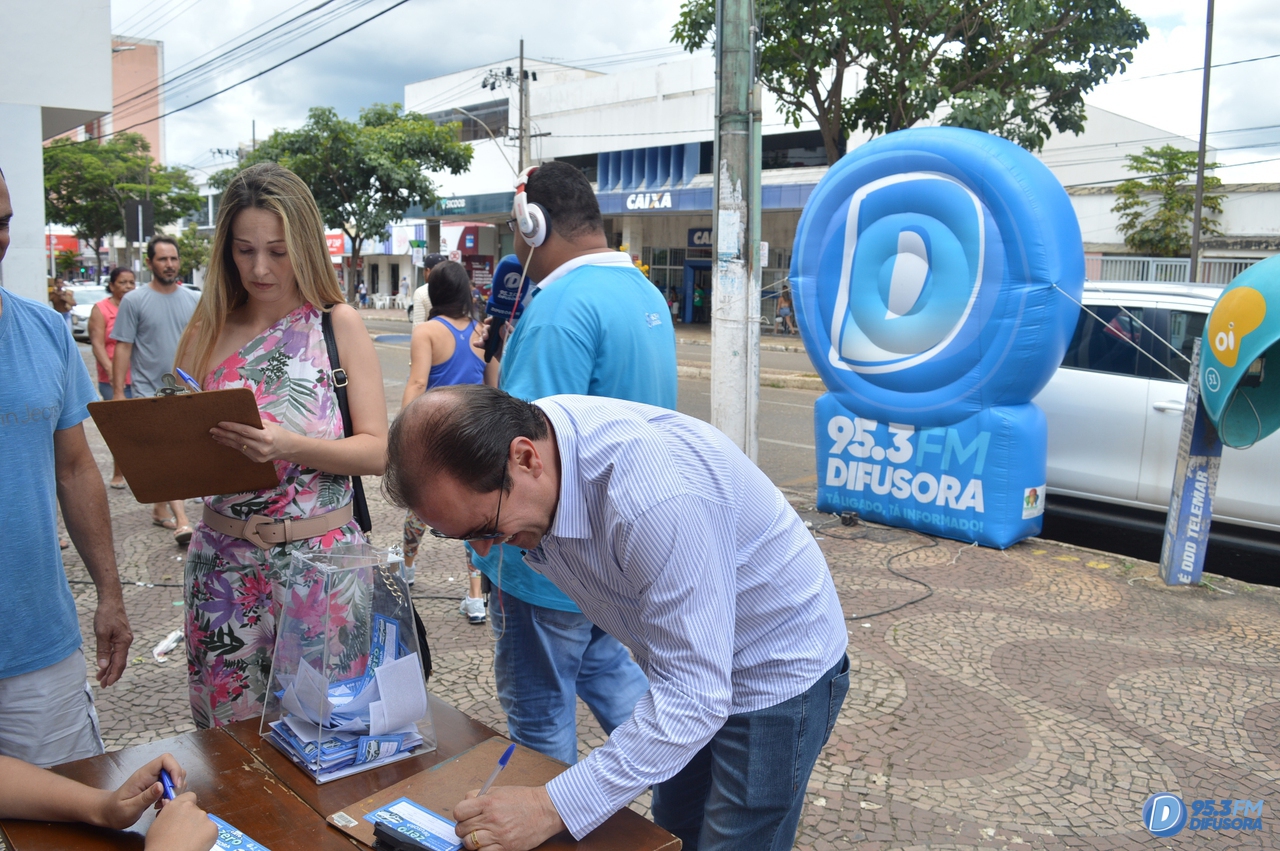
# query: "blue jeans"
{"type": "Point", "coordinates": [105, 391]}
{"type": "Point", "coordinates": [544, 659]}
{"type": "Point", "coordinates": [745, 788]}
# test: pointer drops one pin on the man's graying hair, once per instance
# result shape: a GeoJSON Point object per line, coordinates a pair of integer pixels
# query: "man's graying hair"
{"type": "Point", "coordinates": [464, 431]}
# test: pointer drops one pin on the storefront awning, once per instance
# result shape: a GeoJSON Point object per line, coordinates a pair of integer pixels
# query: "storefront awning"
{"type": "Point", "coordinates": [465, 206]}
{"type": "Point", "coordinates": [786, 196]}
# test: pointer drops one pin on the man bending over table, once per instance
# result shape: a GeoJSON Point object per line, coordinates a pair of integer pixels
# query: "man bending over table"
{"type": "Point", "coordinates": [671, 540]}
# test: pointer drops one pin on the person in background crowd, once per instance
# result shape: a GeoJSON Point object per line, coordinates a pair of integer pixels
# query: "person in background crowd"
{"type": "Point", "coordinates": [147, 327]}
{"type": "Point", "coordinates": [101, 320]}
{"type": "Point", "coordinates": [422, 296]}
{"type": "Point", "coordinates": [363, 292]}
{"type": "Point", "coordinates": [442, 353]}
{"type": "Point", "coordinates": [62, 300]}
{"type": "Point", "coordinates": [46, 705]}
{"type": "Point", "coordinates": [593, 325]}
{"type": "Point", "coordinates": [785, 310]}
{"type": "Point", "coordinates": [28, 792]}
{"type": "Point", "coordinates": [260, 325]}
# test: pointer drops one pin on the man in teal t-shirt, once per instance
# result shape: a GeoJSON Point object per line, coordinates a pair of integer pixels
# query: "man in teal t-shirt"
{"type": "Point", "coordinates": [46, 707]}
{"type": "Point", "coordinates": [594, 325]}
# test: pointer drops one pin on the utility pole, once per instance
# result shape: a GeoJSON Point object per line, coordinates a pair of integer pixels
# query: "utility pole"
{"type": "Point", "coordinates": [523, 81]}
{"type": "Point", "coordinates": [735, 222]}
{"type": "Point", "coordinates": [1204, 129]}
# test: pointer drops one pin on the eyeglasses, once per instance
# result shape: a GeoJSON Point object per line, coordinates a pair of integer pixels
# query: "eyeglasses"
{"type": "Point", "coordinates": [483, 536]}
{"type": "Point", "coordinates": [511, 225]}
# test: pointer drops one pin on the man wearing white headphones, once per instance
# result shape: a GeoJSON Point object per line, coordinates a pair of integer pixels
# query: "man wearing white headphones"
{"type": "Point", "coordinates": [592, 325]}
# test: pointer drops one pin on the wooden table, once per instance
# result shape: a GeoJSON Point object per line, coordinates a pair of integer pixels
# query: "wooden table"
{"type": "Point", "coordinates": [244, 780]}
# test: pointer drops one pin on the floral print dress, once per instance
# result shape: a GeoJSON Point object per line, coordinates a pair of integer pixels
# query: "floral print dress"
{"type": "Point", "coordinates": [233, 589]}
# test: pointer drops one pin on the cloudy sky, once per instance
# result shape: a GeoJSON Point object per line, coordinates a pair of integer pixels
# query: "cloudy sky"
{"type": "Point", "coordinates": [424, 38]}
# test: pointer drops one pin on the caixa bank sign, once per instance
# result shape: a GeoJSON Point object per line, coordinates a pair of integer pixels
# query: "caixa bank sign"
{"type": "Point", "coordinates": [649, 201]}
{"type": "Point", "coordinates": [936, 272]}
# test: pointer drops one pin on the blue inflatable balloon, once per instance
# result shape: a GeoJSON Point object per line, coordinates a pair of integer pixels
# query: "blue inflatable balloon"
{"type": "Point", "coordinates": [937, 274]}
{"type": "Point", "coordinates": [927, 268]}
{"type": "Point", "coordinates": [1241, 335]}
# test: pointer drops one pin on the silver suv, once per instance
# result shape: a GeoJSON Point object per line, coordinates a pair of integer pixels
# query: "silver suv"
{"type": "Point", "coordinates": [1115, 415]}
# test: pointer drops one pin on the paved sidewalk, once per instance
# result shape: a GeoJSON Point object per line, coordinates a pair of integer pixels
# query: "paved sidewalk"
{"type": "Point", "coordinates": [1034, 701]}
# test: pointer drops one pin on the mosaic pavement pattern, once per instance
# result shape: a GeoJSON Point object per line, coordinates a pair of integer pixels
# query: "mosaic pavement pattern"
{"type": "Point", "coordinates": [1034, 701]}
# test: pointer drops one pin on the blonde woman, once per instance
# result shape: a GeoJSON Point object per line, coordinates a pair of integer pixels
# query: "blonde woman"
{"type": "Point", "coordinates": [258, 325]}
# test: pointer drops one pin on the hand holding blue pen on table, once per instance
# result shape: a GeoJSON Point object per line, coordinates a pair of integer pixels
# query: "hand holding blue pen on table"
{"type": "Point", "coordinates": [513, 817]}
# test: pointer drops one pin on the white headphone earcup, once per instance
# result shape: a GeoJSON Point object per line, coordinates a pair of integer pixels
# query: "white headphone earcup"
{"type": "Point", "coordinates": [538, 217]}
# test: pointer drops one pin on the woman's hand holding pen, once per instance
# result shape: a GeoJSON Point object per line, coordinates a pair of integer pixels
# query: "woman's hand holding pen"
{"type": "Point", "coordinates": [269, 443]}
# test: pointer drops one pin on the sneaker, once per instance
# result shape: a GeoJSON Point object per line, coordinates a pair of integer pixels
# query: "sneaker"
{"type": "Point", "coordinates": [473, 608]}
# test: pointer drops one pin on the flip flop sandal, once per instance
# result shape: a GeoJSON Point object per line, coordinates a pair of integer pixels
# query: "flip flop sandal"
{"type": "Point", "coordinates": [120, 486]}
{"type": "Point", "coordinates": [167, 523]}
{"type": "Point", "coordinates": [182, 535]}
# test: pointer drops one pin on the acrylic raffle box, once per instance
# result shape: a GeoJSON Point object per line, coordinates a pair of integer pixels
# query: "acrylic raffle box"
{"type": "Point", "coordinates": [347, 692]}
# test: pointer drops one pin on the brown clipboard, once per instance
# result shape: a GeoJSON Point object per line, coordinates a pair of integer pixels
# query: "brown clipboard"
{"type": "Point", "coordinates": [164, 449]}
{"type": "Point", "coordinates": [441, 787]}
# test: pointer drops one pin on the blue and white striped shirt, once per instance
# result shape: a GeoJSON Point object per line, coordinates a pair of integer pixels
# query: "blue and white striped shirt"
{"type": "Point", "coordinates": [673, 542]}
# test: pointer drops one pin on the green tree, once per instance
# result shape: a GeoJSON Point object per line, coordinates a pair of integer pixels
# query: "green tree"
{"type": "Point", "coordinates": [87, 185]}
{"type": "Point", "coordinates": [67, 263]}
{"type": "Point", "coordinates": [1156, 210]}
{"type": "Point", "coordinates": [1015, 68]}
{"type": "Point", "coordinates": [364, 174]}
{"type": "Point", "coordinates": [193, 251]}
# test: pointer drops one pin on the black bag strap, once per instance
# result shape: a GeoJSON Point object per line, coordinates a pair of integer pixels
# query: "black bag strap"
{"type": "Point", "coordinates": [359, 505]}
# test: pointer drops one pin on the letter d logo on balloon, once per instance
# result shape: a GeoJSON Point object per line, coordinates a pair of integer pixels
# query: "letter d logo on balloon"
{"type": "Point", "coordinates": [910, 272]}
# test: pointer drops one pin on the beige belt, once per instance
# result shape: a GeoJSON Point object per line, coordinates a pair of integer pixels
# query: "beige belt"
{"type": "Point", "coordinates": [265, 532]}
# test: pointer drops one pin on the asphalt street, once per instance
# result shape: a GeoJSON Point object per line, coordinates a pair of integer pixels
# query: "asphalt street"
{"type": "Point", "coordinates": [786, 448]}
{"type": "Point", "coordinates": [786, 416]}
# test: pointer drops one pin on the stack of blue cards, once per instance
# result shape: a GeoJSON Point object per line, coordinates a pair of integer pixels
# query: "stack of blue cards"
{"type": "Point", "coordinates": [336, 729]}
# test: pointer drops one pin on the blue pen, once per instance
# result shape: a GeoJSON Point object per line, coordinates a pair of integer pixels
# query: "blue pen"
{"type": "Point", "coordinates": [187, 379]}
{"type": "Point", "coordinates": [502, 763]}
{"type": "Point", "coordinates": [169, 794]}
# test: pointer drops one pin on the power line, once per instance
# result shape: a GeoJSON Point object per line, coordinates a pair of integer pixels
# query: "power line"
{"type": "Point", "coordinates": [184, 82]}
{"type": "Point", "coordinates": [1168, 173]}
{"type": "Point", "coordinates": [1197, 68]}
{"type": "Point", "coordinates": [298, 55]}
{"type": "Point", "coordinates": [145, 11]}
{"type": "Point", "coordinates": [165, 21]}
{"type": "Point", "coordinates": [182, 70]}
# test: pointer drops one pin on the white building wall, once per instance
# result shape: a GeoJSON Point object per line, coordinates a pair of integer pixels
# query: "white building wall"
{"type": "Point", "coordinates": [24, 268]}
{"type": "Point", "coordinates": [1250, 214]}
{"type": "Point", "coordinates": [55, 63]}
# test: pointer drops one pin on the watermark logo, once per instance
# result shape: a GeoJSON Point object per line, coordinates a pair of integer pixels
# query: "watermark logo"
{"type": "Point", "coordinates": [1165, 814]}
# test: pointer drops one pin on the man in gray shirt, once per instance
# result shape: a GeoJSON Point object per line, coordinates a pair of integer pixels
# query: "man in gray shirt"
{"type": "Point", "coordinates": [147, 330]}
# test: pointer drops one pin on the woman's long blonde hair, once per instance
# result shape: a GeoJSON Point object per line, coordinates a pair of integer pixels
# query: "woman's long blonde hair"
{"type": "Point", "coordinates": [265, 186]}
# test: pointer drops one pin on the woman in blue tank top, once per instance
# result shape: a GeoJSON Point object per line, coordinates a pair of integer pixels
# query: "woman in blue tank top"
{"type": "Point", "coordinates": [443, 352]}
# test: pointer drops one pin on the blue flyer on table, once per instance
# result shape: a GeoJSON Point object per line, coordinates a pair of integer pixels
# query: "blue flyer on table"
{"type": "Point", "coordinates": [419, 823]}
{"type": "Point", "coordinates": [230, 839]}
